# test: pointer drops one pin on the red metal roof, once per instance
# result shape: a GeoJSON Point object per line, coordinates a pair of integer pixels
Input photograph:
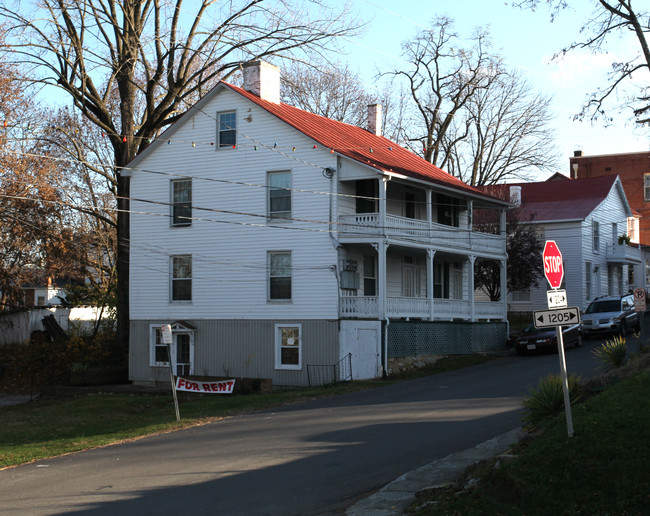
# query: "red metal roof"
{"type": "Point", "coordinates": [358, 144]}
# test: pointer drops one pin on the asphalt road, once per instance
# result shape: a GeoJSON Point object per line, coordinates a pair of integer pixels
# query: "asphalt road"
{"type": "Point", "coordinates": [315, 458]}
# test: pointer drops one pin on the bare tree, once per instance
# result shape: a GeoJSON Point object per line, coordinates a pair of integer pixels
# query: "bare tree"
{"type": "Point", "coordinates": [441, 78]}
{"type": "Point", "coordinates": [503, 132]}
{"type": "Point", "coordinates": [150, 59]}
{"type": "Point", "coordinates": [332, 90]}
{"type": "Point", "coordinates": [329, 90]}
{"type": "Point", "coordinates": [469, 115]}
{"type": "Point", "coordinates": [609, 19]}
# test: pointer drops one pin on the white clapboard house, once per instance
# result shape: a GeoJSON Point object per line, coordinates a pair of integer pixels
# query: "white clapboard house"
{"type": "Point", "coordinates": [278, 242]}
{"type": "Point", "coordinates": [595, 229]}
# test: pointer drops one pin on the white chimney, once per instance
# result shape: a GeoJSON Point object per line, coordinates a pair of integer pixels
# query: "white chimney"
{"type": "Point", "coordinates": [515, 195]}
{"type": "Point", "coordinates": [374, 119]}
{"type": "Point", "coordinates": [262, 79]}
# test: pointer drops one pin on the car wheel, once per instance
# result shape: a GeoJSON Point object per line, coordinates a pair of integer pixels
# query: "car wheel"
{"type": "Point", "coordinates": [579, 340]}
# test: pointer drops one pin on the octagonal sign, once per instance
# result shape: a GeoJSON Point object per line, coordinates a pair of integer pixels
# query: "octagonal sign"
{"type": "Point", "coordinates": [553, 268]}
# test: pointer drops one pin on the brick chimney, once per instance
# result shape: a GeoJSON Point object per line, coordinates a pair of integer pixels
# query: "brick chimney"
{"type": "Point", "coordinates": [374, 119]}
{"type": "Point", "coordinates": [262, 79]}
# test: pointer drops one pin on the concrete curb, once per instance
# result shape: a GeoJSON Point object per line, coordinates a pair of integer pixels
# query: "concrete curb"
{"type": "Point", "coordinates": [394, 498]}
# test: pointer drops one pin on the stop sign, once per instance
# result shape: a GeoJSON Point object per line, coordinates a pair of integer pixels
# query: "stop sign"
{"type": "Point", "coordinates": [553, 268]}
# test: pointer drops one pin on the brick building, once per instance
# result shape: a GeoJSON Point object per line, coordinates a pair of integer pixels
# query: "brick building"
{"type": "Point", "coordinates": [634, 171]}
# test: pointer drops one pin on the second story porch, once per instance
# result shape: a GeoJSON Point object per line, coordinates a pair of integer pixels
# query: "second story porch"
{"type": "Point", "coordinates": [378, 208]}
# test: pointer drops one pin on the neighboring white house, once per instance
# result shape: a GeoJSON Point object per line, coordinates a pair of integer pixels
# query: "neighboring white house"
{"type": "Point", "coordinates": [589, 220]}
{"type": "Point", "coordinates": [276, 241]}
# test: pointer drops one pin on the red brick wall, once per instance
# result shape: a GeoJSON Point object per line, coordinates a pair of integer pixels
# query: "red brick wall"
{"type": "Point", "coordinates": [630, 168]}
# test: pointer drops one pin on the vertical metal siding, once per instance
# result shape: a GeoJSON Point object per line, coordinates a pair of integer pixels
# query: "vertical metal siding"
{"type": "Point", "coordinates": [240, 348]}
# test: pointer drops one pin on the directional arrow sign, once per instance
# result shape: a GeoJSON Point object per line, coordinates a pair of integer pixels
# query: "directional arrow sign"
{"type": "Point", "coordinates": [563, 317]}
{"type": "Point", "coordinates": [556, 298]}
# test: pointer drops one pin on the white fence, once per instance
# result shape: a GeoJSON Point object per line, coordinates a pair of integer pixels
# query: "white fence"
{"type": "Point", "coordinates": [18, 327]}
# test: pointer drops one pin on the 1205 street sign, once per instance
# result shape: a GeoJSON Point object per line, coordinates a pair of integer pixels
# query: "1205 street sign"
{"type": "Point", "coordinates": [563, 317]}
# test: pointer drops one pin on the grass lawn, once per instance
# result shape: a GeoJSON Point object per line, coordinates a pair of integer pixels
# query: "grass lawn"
{"type": "Point", "coordinates": [602, 470]}
{"type": "Point", "coordinates": [55, 425]}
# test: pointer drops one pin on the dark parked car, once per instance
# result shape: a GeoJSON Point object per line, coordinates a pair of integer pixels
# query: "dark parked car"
{"type": "Point", "coordinates": [545, 339]}
{"type": "Point", "coordinates": [610, 315]}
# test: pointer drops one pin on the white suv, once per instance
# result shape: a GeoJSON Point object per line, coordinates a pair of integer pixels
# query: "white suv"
{"type": "Point", "coordinates": [610, 314]}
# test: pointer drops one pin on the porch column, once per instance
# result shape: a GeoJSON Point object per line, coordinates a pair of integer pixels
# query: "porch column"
{"type": "Point", "coordinates": [430, 255]}
{"type": "Point", "coordinates": [472, 260]}
{"type": "Point", "coordinates": [503, 222]}
{"type": "Point", "coordinates": [504, 288]}
{"type": "Point", "coordinates": [429, 213]}
{"type": "Point", "coordinates": [381, 277]}
{"type": "Point", "coordinates": [383, 187]}
{"type": "Point", "coordinates": [470, 216]}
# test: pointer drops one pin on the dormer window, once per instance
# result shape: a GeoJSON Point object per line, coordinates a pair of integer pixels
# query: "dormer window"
{"type": "Point", "coordinates": [227, 129]}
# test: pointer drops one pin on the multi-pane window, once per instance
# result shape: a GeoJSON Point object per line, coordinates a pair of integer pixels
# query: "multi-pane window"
{"type": "Point", "coordinates": [646, 187]}
{"type": "Point", "coordinates": [181, 202]}
{"type": "Point", "coordinates": [588, 281]}
{"type": "Point", "coordinates": [279, 195]}
{"type": "Point", "coordinates": [369, 276]}
{"type": "Point", "coordinates": [595, 230]}
{"type": "Point", "coordinates": [160, 355]}
{"type": "Point", "coordinates": [288, 346]}
{"type": "Point", "coordinates": [279, 276]}
{"type": "Point", "coordinates": [227, 133]}
{"type": "Point", "coordinates": [181, 280]}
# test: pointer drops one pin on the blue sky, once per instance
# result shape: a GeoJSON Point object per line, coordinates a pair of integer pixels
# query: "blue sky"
{"type": "Point", "coordinates": [526, 40]}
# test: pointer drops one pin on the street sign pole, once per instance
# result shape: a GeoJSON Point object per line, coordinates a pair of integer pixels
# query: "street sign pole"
{"type": "Point", "coordinates": [167, 339]}
{"type": "Point", "coordinates": [554, 272]}
{"type": "Point", "coordinates": [565, 380]}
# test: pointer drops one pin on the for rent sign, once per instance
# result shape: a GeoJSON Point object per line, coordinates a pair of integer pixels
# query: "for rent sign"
{"type": "Point", "coordinates": [220, 387]}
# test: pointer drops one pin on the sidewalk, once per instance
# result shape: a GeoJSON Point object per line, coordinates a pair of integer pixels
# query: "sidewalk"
{"type": "Point", "coordinates": [394, 498]}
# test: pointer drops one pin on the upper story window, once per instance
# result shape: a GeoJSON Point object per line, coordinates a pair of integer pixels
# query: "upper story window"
{"type": "Point", "coordinates": [181, 202]}
{"type": "Point", "coordinates": [280, 276]}
{"type": "Point", "coordinates": [595, 231]}
{"type": "Point", "coordinates": [227, 130]}
{"type": "Point", "coordinates": [181, 278]}
{"type": "Point", "coordinates": [646, 187]}
{"type": "Point", "coordinates": [279, 203]}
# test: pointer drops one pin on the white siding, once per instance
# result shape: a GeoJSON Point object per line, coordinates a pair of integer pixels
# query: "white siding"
{"type": "Point", "coordinates": [575, 242]}
{"type": "Point", "coordinates": [229, 244]}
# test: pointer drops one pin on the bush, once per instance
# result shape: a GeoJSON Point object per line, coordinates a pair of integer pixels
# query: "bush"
{"type": "Point", "coordinates": [612, 353]}
{"type": "Point", "coordinates": [548, 399]}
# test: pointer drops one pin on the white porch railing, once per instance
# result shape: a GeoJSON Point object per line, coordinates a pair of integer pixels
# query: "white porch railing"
{"type": "Point", "coordinates": [622, 253]}
{"type": "Point", "coordinates": [413, 306]}
{"type": "Point", "coordinates": [367, 224]}
{"type": "Point", "coordinates": [401, 307]}
{"type": "Point", "coordinates": [360, 307]}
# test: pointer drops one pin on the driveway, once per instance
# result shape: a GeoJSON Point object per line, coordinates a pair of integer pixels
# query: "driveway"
{"type": "Point", "coordinates": [314, 458]}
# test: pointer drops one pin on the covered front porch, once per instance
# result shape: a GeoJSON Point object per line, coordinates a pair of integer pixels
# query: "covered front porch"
{"type": "Point", "coordinates": [382, 281]}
